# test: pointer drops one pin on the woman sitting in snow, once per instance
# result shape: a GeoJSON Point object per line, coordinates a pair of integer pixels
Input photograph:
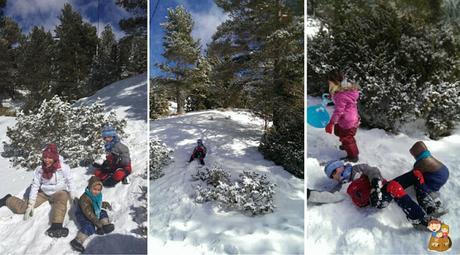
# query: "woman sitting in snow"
{"type": "Point", "coordinates": [117, 165]}
{"type": "Point", "coordinates": [369, 188]}
{"type": "Point", "coordinates": [345, 119]}
{"type": "Point", "coordinates": [199, 152]}
{"type": "Point", "coordinates": [90, 216]}
{"type": "Point", "coordinates": [53, 183]}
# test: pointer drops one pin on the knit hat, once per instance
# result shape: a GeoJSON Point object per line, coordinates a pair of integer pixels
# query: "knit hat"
{"type": "Point", "coordinates": [199, 141]}
{"type": "Point", "coordinates": [108, 131]}
{"type": "Point", "coordinates": [331, 166]}
{"type": "Point", "coordinates": [418, 148]}
{"type": "Point", "coordinates": [51, 152]}
{"type": "Point", "coordinates": [94, 180]}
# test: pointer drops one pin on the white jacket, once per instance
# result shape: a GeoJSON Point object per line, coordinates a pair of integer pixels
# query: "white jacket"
{"type": "Point", "coordinates": [61, 180]}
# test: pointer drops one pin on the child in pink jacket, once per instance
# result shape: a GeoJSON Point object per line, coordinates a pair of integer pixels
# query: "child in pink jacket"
{"type": "Point", "coordinates": [345, 119]}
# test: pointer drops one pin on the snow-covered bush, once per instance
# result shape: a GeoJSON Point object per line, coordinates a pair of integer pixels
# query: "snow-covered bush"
{"type": "Point", "coordinates": [212, 177]}
{"type": "Point", "coordinates": [76, 130]}
{"type": "Point", "coordinates": [159, 158]}
{"type": "Point", "coordinates": [285, 147]}
{"type": "Point", "coordinates": [406, 65]}
{"type": "Point", "coordinates": [252, 193]}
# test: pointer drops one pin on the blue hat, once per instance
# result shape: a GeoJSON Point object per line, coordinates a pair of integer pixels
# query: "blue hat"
{"type": "Point", "coordinates": [331, 166]}
{"type": "Point", "coordinates": [108, 131]}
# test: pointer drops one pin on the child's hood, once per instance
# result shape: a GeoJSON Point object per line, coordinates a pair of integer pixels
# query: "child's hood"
{"type": "Point", "coordinates": [94, 180]}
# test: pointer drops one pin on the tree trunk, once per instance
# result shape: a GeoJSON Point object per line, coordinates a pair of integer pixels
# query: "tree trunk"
{"type": "Point", "coordinates": [180, 105]}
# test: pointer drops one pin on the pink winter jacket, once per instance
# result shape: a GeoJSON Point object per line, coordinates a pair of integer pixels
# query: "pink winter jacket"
{"type": "Point", "coordinates": [346, 110]}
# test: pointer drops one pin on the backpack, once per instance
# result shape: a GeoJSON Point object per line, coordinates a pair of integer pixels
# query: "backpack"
{"type": "Point", "coordinates": [359, 191]}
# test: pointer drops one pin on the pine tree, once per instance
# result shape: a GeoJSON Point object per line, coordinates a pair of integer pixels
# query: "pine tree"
{"type": "Point", "coordinates": [265, 40]}
{"type": "Point", "coordinates": [10, 34]}
{"type": "Point", "coordinates": [36, 67]}
{"type": "Point", "coordinates": [181, 52]}
{"type": "Point", "coordinates": [105, 69]}
{"type": "Point", "coordinates": [137, 24]}
{"type": "Point", "coordinates": [75, 49]}
{"type": "Point", "coordinates": [133, 47]}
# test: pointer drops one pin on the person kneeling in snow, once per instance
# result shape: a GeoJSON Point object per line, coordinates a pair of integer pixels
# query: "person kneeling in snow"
{"type": "Point", "coordinates": [117, 165]}
{"type": "Point", "coordinates": [369, 188]}
{"type": "Point", "coordinates": [199, 152]}
{"type": "Point", "coordinates": [53, 183]}
{"type": "Point", "coordinates": [435, 175]}
{"type": "Point", "coordinates": [90, 216]}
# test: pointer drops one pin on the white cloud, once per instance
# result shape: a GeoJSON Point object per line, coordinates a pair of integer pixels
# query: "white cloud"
{"type": "Point", "coordinates": [206, 23]}
{"type": "Point", "coordinates": [36, 12]}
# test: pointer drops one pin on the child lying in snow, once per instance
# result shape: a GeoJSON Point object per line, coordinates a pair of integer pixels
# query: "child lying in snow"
{"type": "Point", "coordinates": [369, 188]}
{"type": "Point", "coordinates": [90, 216]}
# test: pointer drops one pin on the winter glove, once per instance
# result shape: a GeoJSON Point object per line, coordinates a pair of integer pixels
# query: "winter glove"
{"type": "Point", "coordinates": [106, 205]}
{"type": "Point", "coordinates": [329, 128]}
{"type": "Point", "coordinates": [30, 210]}
{"type": "Point", "coordinates": [376, 196]}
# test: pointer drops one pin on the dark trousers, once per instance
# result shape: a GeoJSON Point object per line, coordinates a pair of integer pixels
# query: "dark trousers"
{"type": "Point", "coordinates": [86, 226]}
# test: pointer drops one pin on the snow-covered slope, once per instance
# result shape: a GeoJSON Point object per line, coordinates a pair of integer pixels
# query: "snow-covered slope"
{"type": "Point", "coordinates": [178, 225]}
{"type": "Point", "coordinates": [128, 98]}
{"type": "Point", "coordinates": [343, 228]}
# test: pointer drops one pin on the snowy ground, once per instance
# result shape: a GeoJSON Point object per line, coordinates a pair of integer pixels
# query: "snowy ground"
{"type": "Point", "coordinates": [129, 100]}
{"type": "Point", "coordinates": [343, 228]}
{"type": "Point", "coordinates": [178, 225]}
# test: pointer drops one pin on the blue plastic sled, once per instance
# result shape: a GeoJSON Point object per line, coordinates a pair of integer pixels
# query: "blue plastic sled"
{"type": "Point", "coordinates": [317, 115]}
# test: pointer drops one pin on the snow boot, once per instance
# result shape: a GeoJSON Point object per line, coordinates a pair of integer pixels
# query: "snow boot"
{"type": "Point", "coordinates": [341, 147]}
{"type": "Point", "coordinates": [109, 182]}
{"type": "Point", "coordinates": [348, 159]}
{"type": "Point", "coordinates": [421, 225]}
{"type": "Point", "coordinates": [202, 162]}
{"type": "Point", "coordinates": [3, 200]}
{"type": "Point", "coordinates": [125, 180]}
{"type": "Point", "coordinates": [56, 230]}
{"type": "Point", "coordinates": [77, 242]}
{"type": "Point", "coordinates": [77, 246]}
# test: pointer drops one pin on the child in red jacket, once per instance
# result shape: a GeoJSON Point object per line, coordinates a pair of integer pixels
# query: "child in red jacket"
{"type": "Point", "coordinates": [199, 152]}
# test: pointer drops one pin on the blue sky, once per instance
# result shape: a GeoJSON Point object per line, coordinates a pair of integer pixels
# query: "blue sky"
{"type": "Point", "coordinates": [29, 13]}
{"type": "Point", "coordinates": [206, 15]}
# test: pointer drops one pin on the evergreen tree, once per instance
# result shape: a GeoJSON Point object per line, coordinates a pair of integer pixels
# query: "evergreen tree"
{"type": "Point", "coordinates": [10, 35]}
{"type": "Point", "coordinates": [75, 49]}
{"type": "Point", "coordinates": [36, 67]}
{"type": "Point", "coordinates": [137, 24]}
{"type": "Point", "coordinates": [133, 47]}
{"type": "Point", "coordinates": [266, 45]}
{"type": "Point", "coordinates": [105, 69]}
{"type": "Point", "coordinates": [182, 54]}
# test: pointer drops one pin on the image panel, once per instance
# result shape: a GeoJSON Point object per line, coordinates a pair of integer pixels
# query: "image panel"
{"type": "Point", "coordinates": [73, 126]}
{"type": "Point", "coordinates": [383, 123]}
{"type": "Point", "coordinates": [226, 127]}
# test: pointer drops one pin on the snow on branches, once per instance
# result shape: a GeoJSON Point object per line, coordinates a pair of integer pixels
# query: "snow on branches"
{"type": "Point", "coordinates": [252, 193]}
{"type": "Point", "coordinates": [159, 158]}
{"type": "Point", "coordinates": [76, 130]}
